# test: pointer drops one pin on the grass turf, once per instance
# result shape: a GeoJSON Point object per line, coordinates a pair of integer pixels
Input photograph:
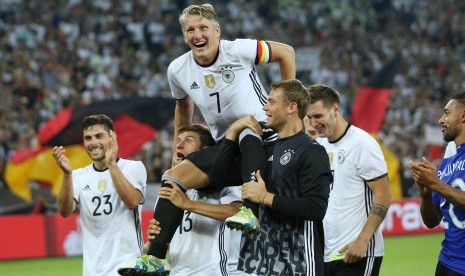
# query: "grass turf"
{"type": "Point", "coordinates": [405, 256]}
{"type": "Point", "coordinates": [42, 267]}
{"type": "Point", "coordinates": [411, 255]}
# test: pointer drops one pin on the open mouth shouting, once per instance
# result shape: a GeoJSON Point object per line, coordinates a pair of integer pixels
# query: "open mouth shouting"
{"type": "Point", "coordinates": [200, 44]}
{"type": "Point", "coordinates": [179, 156]}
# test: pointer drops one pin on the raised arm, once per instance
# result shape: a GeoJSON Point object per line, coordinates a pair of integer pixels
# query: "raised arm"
{"type": "Point", "coordinates": [131, 196]}
{"type": "Point", "coordinates": [65, 200]}
{"type": "Point", "coordinates": [283, 54]}
{"type": "Point", "coordinates": [182, 116]}
{"type": "Point", "coordinates": [425, 175]}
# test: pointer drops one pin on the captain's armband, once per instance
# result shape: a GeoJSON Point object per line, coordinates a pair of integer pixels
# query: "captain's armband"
{"type": "Point", "coordinates": [263, 52]}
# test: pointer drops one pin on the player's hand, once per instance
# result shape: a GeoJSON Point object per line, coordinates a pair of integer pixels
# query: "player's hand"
{"type": "Point", "coordinates": [424, 191]}
{"type": "Point", "coordinates": [111, 152]}
{"type": "Point", "coordinates": [63, 162]}
{"type": "Point", "coordinates": [154, 229]}
{"type": "Point", "coordinates": [175, 195]}
{"type": "Point", "coordinates": [238, 126]}
{"type": "Point", "coordinates": [254, 191]}
{"type": "Point", "coordinates": [354, 251]}
{"type": "Point", "coordinates": [424, 173]}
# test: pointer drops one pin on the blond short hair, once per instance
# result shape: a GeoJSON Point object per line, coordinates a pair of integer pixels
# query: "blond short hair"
{"type": "Point", "coordinates": [204, 10]}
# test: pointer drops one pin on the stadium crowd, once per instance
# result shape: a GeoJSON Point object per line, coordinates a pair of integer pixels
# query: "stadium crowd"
{"type": "Point", "coordinates": [60, 53]}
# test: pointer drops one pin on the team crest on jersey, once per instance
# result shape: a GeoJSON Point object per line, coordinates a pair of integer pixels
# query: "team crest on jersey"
{"type": "Point", "coordinates": [330, 155]}
{"type": "Point", "coordinates": [286, 157]}
{"type": "Point", "coordinates": [210, 81]}
{"type": "Point", "coordinates": [341, 156]}
{"type": "Point", "coordinates": [102, 185]}
{"type": "Point", "coordinates": [227, 74]}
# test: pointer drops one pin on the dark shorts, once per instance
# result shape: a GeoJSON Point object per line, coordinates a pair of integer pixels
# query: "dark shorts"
{"type": "Point", "coordinates": [227, 170]}
{"type": "Point", "coordinates": [442, 270]}
{"type": "Point", "coordinates": [366, 266]}
{"type": "Point", "coordinates": [204, 160]}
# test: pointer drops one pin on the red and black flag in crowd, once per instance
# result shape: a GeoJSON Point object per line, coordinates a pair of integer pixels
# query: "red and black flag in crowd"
{"type": "Point", "coordinates": [136, 121]}
{"type": "Point", "coordinates": [369, 109]}
{"type": "Point", "coordinates": [372, 99]}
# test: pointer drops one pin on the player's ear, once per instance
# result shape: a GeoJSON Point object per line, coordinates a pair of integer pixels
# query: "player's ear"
{"type": "Point", "coordinates": [337, 108]}
{"type": "Point", "coordinates": [218, 31]}
{"type": "Point", "coordinates": [293, 107]}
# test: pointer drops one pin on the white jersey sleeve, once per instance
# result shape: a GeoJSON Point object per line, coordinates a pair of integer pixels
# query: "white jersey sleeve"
{"type": "Point", "coordinates": [369, 159]}
{"type": "Point", "coordinates": [255, 51]}
{"type": "Point", "coordinates": [177, 91]}
{"type": "Point", "coordinates": [137, 176]}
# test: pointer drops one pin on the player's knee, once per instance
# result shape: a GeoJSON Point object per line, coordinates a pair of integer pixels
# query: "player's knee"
{"type": "Point", "coordinates": [171, 173]}
{"type": "Point", "coordinates": [166, 180]}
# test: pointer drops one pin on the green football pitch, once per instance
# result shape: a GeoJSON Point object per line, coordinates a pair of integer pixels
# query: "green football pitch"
{"type": "Point", "coordinates": [405, 256]}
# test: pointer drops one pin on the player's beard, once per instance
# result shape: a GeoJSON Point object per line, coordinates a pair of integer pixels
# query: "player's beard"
{"type": "Point", "coordinates": [99, 155]}
{"type": "Point", "coordinates": [450, 134]}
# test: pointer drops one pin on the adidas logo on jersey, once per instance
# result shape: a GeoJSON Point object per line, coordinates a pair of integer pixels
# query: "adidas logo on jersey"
{"type": "Point", "coordinates": [86, 188]}
{"type": "Point", "coordinates": [270, 159]}
{"type": "Point", "coordinates": [194, 86]}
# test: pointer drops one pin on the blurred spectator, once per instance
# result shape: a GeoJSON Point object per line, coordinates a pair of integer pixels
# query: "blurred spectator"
{"type": "Point", "coordinates": [45, 204]}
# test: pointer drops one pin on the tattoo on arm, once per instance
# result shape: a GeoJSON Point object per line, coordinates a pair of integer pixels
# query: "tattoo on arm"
{"type": "Point", "coordinates": [379, 210]}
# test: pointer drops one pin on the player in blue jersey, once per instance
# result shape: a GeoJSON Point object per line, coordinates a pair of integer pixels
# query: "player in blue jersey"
{"type": "Point", "coordinates": [442, 191]}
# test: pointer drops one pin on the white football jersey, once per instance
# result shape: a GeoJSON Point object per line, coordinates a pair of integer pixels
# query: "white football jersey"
{"type": "Point", "coordinates": [111, 231]}
{"type": "Point", "coordinates": [205, 246]}
{"type": "Point", "coordinates": [355, 159]}
{"type": "Point", "coordinates": [225, 91]}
